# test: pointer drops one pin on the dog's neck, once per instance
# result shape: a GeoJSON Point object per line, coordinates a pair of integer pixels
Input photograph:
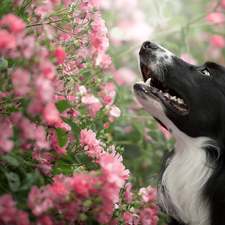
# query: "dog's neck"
{"type": "Point", "coordinates": [186, 173]}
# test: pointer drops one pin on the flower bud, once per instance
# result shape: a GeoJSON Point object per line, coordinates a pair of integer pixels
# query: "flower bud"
{"type": "Point", "coordinates": [59, 67]}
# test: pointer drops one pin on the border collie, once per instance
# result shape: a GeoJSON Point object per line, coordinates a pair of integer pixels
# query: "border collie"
{"type": "Point", "coordinates": [189, 101]}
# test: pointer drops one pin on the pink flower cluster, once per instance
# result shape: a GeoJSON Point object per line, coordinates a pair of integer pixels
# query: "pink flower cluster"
{"type": "Point", "coordinates": [9, 214]}
{"type": "Point", "coordinates": [90, 143]}
{"type": "Point", "coordinates": [6, 132]}
{"type": "Point", "coordinates": [14, 43]}
{"type": "Point", "coordinates": [146, 213]}
{"type": "Point", "coordinates": [68, 194]}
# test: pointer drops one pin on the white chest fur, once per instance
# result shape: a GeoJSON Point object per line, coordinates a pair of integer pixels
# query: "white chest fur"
{"type": "Point", "coordinates": [183, 181]}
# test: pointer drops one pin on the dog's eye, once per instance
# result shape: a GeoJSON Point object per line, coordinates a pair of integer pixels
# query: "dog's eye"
{"type": "Point", "coordinates": [205, 72]}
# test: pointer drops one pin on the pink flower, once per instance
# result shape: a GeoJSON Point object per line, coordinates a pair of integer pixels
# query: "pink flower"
{"type": "Point", "coordinates": [22, 218]}
{"type": "Point", "coordinates": [16, 25]}
{"type": "Point", "coordinates": [27, 129]}
{"type": "Point", "coordinates": [127, 218]}
{"type": "Point", "coordinates": [93, 104]}
{"type": "Point", "coordinates": [7, 43]}
{"type": "Point", "coordinates": [128, 129]}
{"type": "Point", "coordinates": [89, 142]}
{"type": "Point", "coordinates": [127, 194]}
{"type": "Point", "coordinates": [34, 107]}
{"type": "Point", "coordinates": [148, 194]}
{"type": "Point", "coordinates": [113, 170]}
{"type": "Point", "coordinates": [27, 47]}
{"type": "Point", "coordinates": [188, 58]}
{"type": "Point", "coordinates": [113, 112]}
{"type": "Point", "coordinates": [44, 159]}
{"type": "Point", "coordinates": [8, 208]}
{"type": "Point", "coordinates": [148, 217]}
{"type": "Point", "coordinates": [59, 189]}
{"type": "Point", "coordinates": [215, 17]}
{"type": "Point", "coordinates": [223, 4]}
{"type": "Point", "coordinates": [20, 81]}
{"type": "Point", "coordinates": [94, 3]}
{"type": "Point", "coordinates": [39, 200]}
{"type": "Point", "coordinates": [50, 114]}
{"type": "Point", "coordinates": [45, 88]}
{"type": "Point", "coordinates": [6, 132]}
{"type": "Point", "coordinates": [123, 76]}
{"type": "Point", "coordinates": [144, 193]}
{"type": "Point", "coordinates": [217, 40]}
{"type": "Point", "coordinates": [44, 220]}
{"type": "Point", "coordinates": [59, 54]}
{"type": "Point", "coordinates": [165, 132]}
{"type": "Point", "coordinates": [40, 136]}
{"type": "Point", "coordinates": [103, 59]}
{"type": "Point", "coordinates": [107, 93]}
{"type": "Point", "coordinates": [74, 113]}
{"type": "Point", "coordinates": [98, 35]}
{"type": "Point", "coordinates": [48, 70]}
{"type": "Point", "coordinates": [81, 184]}
{"type": "Point", "coordinates": [106, 125]}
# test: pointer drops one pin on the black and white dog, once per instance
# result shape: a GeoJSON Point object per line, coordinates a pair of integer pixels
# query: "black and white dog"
{"type": "Point", "coordinates": [189, 101]}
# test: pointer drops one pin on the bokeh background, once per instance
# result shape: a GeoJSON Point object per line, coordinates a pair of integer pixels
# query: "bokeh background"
{"type": "Point", "coordinates": [191, 29]}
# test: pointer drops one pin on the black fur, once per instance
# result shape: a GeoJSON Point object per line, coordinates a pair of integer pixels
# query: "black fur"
{"type": "Point", "coordinates": [205, 97]}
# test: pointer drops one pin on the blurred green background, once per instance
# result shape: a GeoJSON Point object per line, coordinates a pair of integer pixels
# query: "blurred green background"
{"type": "Point", "coordinates": [193, 30]}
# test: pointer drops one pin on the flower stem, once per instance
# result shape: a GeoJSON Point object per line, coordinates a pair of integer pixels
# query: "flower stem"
{"type": "Point", "coordinates": [10, 100]}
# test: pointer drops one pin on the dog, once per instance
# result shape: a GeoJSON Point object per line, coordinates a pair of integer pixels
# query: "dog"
{"type": "Point", "coordinates": [189, 101]}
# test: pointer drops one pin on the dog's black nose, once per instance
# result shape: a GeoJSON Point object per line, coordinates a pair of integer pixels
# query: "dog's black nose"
{"type": "Point", "coordinates": [149, 45]}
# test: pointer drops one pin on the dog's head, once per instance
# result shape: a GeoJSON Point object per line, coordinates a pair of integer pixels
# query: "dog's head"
{"type": "Point", "coordinates": [182, 96]}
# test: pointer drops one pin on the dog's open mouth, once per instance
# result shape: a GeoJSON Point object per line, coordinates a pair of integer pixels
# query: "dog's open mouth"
{"type": "Point", "coordinates": [170, 97]}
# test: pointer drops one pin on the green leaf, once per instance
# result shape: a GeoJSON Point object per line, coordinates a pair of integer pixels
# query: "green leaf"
{"type": "Point", "coordinates": [9, 159]}
{"type": "Point", "coordinates": [131, 151]}
{"type": "Point", "coordinates": [13, 181]}
{"type": "Point", "coordinates": [137, 125]}
{"type": "Point", "coordinates": [27, 182]}
{"type": "Point", "coordinates": [175, 21]}
{"type": "Point", "coordinates": [167, 13]}
{"type": "Point", "coordinates": [62, 105]}
{"type": "Point", "coordinates": [3, 64]}
{"type": "Point", "coordinates": [38, 179]}
{"type": "Point", "coordinates": [154, 134]}
{"type": "Point", "coordinates": [62, 138]}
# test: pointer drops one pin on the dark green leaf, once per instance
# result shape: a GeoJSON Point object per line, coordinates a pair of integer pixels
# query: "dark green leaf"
{"type": "Point", "coordinates": [62, 138]}
{"type": "Point", "coordinates": [13, 181]}
{"type": "Point", "coordinates": [9, 159]}
{"type": "Point", "coordinates": [38, 179]}
{"type": "Point", "coordinates": [27, 182]}
{"type": "Point", "coordinates": [131, 151]}
{"type": "Point", "coordinates": [63, 105]}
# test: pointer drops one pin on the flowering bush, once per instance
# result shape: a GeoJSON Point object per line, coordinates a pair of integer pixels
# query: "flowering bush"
{"type": "Point", "coordinates": [59, 164]}
{"type": "Point", "coordinates": [67, 114]}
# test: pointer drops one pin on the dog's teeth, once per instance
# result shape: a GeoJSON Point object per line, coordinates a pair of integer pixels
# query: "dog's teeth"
{"type": "Point", "coordinates": [148, 82]}
{"type": "Point", "coordinates": [167, 95]}
{"type": "Point", "coordinates": [174, 98]}
{"type": "Point", "coordinates": [180, 101]}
